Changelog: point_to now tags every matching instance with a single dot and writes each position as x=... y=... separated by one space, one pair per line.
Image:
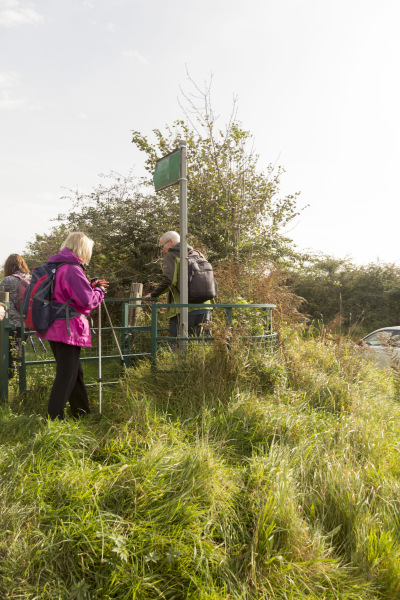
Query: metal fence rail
x=139 y=342
x=267 y=337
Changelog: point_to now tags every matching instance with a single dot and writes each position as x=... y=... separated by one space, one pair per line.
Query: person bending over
x=169 y=244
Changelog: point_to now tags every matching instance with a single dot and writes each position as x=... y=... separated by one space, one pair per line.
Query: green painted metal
x=22 y=365
x=167 y=171
x=270 y=337
x=128 y=347
x=154 y=335
x=214 y=305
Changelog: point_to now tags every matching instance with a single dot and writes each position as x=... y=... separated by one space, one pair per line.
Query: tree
x=124 y=222
x=367 y=295
x=233 y=208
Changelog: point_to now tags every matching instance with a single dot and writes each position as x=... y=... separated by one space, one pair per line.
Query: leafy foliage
x=233 y=208
x=124 y=222
x=367 y=295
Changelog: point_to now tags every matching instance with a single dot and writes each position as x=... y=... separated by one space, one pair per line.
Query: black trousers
x=195 y=324
x=68 y=384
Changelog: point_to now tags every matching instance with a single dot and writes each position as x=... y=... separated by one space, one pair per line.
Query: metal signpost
x=172 y=169
x=167 y=170
x=183 y=232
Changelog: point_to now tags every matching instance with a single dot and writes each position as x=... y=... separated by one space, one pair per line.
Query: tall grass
x=227 y=474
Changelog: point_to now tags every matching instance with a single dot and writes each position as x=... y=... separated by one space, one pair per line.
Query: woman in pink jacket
x=67 y=339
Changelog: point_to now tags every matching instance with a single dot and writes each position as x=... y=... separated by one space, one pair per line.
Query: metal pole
x=99 y=340
x=114 y=334
x=22 y=366
x=183 y=328
x=154 y=335
x=4 y=346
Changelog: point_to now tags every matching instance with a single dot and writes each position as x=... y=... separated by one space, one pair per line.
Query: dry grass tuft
x=259 y=283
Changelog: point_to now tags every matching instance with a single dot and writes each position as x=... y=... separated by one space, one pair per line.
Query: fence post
x=22 y=365
x=125 y=345
x=4 y=347
x=133 y=315
x=130 y=317
x=154 y=334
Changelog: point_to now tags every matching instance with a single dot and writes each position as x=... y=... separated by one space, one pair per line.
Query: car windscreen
x=383 y=338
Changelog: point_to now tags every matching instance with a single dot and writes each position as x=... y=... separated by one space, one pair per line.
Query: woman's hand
x=101 y=283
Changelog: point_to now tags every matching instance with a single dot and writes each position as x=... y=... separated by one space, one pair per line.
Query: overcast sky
x=317 y=85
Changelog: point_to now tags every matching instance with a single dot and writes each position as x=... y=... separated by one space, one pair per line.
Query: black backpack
x=39 y=311
x=202 y=285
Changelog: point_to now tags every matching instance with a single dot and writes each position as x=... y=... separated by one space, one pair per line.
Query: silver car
x=384 y=346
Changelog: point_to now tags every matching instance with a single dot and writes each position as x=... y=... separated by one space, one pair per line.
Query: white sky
x=317 y=84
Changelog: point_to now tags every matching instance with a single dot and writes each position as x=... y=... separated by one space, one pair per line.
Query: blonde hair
x=79 y=244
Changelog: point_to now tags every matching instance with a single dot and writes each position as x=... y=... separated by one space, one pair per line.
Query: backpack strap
x=62 y=311
x=40 y=293
x=70 y=312
x=22 y=278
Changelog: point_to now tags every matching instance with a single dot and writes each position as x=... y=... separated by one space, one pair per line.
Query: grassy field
x=229 y=474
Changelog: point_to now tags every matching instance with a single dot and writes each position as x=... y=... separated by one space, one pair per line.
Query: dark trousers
x=195 y=324
x=68 y=384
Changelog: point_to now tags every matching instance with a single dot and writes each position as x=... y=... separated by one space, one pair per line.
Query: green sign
x=167 y=171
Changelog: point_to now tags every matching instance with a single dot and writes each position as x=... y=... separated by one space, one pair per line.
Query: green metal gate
x=138 y=342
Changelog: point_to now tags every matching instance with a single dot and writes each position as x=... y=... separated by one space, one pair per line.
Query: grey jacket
x=11 y=284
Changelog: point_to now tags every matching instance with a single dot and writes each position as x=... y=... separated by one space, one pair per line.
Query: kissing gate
x=142 y=331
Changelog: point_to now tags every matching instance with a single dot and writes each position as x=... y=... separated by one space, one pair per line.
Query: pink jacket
x=71 y=282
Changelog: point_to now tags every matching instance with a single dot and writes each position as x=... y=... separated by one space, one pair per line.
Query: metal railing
x=138 y=342
x=267 y=336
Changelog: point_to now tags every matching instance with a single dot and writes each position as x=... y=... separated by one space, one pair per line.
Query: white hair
x=170 y=235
